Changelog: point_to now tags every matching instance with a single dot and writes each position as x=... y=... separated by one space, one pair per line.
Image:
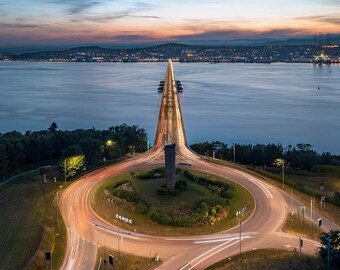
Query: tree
x=73 y=160
x=53 y=127
x=91 y=149
x=3 y=158
x=333 y=236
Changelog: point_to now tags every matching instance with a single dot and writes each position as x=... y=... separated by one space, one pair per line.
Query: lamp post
x=240 y=215
x=281 y=162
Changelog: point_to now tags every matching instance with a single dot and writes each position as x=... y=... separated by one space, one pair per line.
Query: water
x=243 y=103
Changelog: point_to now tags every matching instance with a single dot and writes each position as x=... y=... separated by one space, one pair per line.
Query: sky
x=43 y=22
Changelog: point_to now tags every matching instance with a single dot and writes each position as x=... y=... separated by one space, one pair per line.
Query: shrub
x=160 y=218
x=166 y=191
x=153 y=174
x=326 y=170
x=117 y=184
x=228 y=194
x=141 y=208
x=336 y=198
x=190 y=176
x=128 y=196
x=181 y=185
x=184 y=221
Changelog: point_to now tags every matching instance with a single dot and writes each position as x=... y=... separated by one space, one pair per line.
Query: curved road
x=86 y=230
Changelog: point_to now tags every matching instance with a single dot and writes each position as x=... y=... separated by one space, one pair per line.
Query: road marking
x=220 y=240
x=219 y=249
x=264 y=187
x=225 y=236
x=203 y=255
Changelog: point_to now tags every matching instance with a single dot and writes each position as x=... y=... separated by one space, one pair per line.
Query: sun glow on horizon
x=58 y=21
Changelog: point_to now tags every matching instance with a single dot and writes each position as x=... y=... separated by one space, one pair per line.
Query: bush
x=228 y=194
x=166 y=191
x=326 y=170
x=336 y=198
x=216 y=201
x=190 y=176
x=128 y=196
x=181 y=185
x=160 y=218
x=153 y=174
x=117 y=184
x=141 y=208
x=184 y=221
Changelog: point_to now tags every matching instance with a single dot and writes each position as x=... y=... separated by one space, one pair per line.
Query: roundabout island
x=201 y=203
x=218 y=223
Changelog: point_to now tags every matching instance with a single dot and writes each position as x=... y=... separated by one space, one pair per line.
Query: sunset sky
x=117 y=21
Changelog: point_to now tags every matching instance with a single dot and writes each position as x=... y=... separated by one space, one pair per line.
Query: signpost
x=111 y=261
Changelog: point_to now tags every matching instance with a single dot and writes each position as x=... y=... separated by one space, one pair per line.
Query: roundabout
x=198 y=209
x=86 y=230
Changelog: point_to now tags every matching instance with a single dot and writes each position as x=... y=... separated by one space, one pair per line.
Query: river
x=233 y=103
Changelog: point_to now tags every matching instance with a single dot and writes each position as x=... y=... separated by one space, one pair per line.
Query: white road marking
x=219 y=249
x=220 y=240
x=264 y=187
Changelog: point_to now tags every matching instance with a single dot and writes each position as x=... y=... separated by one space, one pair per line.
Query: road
x=86 y=230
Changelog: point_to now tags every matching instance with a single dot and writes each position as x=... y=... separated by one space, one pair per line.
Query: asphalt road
x=86 y=230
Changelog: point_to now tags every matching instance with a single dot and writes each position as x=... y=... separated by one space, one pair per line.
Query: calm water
x=244 y=103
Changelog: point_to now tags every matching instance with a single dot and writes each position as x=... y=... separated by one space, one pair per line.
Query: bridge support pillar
x=170 y=165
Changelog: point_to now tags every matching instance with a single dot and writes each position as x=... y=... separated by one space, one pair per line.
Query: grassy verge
x=147 y=190
x=331 y=211
x=296 y=225
x=28 y=224
x=124 y=261
x=269 y=259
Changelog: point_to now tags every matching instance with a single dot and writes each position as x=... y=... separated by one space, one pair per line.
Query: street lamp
x=109 y=142
x=240 y=215
x=281 y=162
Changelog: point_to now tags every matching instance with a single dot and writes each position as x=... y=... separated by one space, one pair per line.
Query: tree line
x=17 y=149
x=299 y=156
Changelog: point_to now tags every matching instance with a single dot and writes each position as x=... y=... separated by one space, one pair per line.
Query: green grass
x=296 y=225
x=272 y=259
x=125 y=261
x=147 y=190
x=28 y=224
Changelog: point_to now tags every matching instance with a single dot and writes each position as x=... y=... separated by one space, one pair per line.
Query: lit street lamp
x=281 y=162
x=240 y=215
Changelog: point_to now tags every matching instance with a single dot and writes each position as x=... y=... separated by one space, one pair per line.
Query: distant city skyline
x=47 y=22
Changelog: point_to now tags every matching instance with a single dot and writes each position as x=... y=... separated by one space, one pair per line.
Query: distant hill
x=257 y=41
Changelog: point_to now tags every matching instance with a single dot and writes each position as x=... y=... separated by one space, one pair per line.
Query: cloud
x=3 y=13
x=330 y=18
x=238 y=34
x=77 y=8
x=18 y=25
x=131 y=38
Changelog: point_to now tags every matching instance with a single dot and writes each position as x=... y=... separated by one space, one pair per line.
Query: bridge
x=170 y=128
x=86 y=230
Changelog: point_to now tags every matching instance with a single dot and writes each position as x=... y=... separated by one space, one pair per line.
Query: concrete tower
x=170 y=165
